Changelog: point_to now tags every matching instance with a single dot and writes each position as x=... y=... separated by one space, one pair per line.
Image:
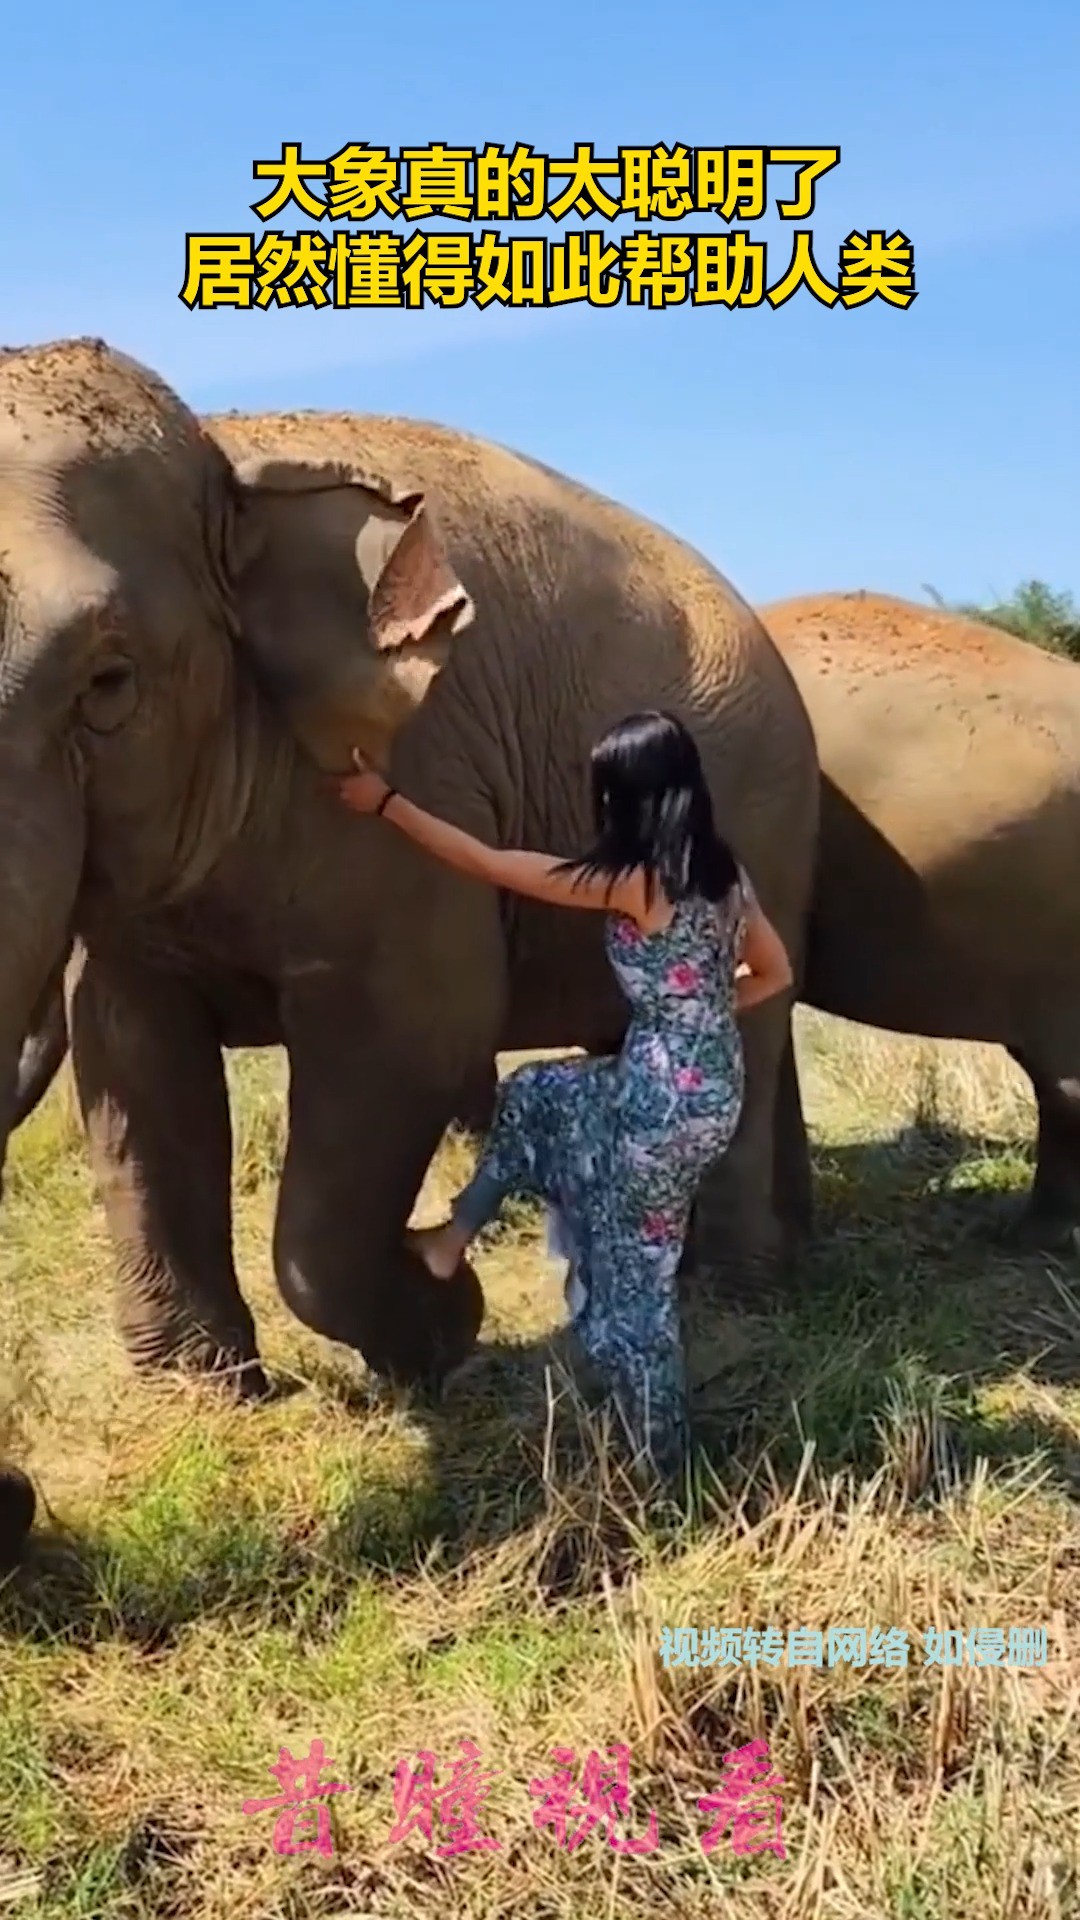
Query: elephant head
x=161 y=608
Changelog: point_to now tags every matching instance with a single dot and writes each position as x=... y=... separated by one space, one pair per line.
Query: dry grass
x=884 y=1079
x=902 y=1448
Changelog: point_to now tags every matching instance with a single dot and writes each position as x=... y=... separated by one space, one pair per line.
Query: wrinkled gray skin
x=946 y=901
x=45 y=1050
x=197 y=620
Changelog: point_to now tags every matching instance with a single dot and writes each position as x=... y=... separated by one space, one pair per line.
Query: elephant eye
x=110 y=698
x=111 y=679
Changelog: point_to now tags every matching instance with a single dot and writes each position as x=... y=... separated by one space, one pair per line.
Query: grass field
x=900 y=1447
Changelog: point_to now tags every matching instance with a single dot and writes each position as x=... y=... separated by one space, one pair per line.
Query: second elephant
x=196 y=617
x=946 y=900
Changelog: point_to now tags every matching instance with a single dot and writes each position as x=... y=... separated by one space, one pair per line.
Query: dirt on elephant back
x=869 y=632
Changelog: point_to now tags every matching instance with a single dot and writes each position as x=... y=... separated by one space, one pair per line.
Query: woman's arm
x=517 y=871
x=764 y=956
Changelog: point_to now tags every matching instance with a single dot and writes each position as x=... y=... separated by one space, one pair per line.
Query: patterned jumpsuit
x=616 y=1148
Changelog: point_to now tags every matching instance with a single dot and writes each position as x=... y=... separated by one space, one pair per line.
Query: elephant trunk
x=41 y=859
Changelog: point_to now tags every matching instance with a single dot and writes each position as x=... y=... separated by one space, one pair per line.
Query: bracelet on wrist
x=390 y=794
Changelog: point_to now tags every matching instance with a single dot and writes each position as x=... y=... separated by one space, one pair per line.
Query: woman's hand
x=365 y=790
x=764 y=968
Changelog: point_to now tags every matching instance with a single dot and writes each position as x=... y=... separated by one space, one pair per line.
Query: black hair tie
x=390 y=794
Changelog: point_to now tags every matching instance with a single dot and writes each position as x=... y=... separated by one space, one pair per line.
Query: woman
x=616 y=1147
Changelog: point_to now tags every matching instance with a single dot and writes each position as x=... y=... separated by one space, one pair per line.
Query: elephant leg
x=1053 y=1211
x=793 y=1181
x=151 y=1086
x=367 y=1110
x=738 y=1231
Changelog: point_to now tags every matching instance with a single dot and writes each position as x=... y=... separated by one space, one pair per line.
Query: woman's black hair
x=652 y=810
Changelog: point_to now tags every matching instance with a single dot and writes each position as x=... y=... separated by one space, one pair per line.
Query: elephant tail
x=810 y=969
x=818 y=940
x=43 y=1054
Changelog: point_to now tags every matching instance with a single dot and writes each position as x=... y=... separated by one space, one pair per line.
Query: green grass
x=896 y=1444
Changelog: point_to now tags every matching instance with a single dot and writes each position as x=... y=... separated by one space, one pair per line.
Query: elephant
x=200 y=619
x=944 y=903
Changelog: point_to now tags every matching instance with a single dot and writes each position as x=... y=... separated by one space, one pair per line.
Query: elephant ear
x=344 y=595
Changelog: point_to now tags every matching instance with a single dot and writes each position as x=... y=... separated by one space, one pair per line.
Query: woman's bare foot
x=440 y=1248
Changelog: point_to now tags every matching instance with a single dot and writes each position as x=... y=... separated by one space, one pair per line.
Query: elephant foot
x=426 y=1328
x=741 y=1287
x=741 y=1270
x=1033 y=1227
x=238 y=1377
x=18 y=1505
x=243 y=1380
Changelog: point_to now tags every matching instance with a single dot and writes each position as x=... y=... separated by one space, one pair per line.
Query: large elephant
x=946 y=901
x=198 y=619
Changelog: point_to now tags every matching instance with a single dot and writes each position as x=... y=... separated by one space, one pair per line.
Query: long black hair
x=652 y=810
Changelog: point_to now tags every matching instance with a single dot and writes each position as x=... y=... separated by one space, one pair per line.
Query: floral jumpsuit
x=616 y=1148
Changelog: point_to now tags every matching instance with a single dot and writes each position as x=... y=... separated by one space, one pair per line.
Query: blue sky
x=802 y=449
